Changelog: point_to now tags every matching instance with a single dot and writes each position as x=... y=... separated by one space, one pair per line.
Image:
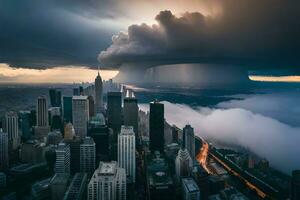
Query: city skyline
x=149 y=100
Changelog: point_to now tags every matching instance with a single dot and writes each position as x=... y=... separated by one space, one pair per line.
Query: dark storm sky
x=254 y=34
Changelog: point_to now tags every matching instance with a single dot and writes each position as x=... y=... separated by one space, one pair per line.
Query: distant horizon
x=84 y=74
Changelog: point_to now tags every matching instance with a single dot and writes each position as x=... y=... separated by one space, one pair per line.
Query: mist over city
x=149 y=100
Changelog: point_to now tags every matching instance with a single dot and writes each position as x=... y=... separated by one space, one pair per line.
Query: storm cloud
x=255 y=34
x=42 y=34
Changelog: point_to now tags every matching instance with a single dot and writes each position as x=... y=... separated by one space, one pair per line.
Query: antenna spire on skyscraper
x=98 y=70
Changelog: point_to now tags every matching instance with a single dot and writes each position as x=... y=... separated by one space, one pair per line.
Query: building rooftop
x=60 y=179
x=127 y=130
x=88 y=140
x=42 y=97
x=114 y=94
x=80 y=97
x=98 y=120
x=41 y=185
x=11 y=114
x=77 y=186
x=158 y=171
x=61 y=146
x=107 y=168
x=24 y=168
x=190 y=184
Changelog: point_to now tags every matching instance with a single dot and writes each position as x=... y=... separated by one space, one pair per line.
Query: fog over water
x=265 y=136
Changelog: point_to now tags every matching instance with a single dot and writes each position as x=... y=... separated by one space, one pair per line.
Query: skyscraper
x=67 y=109
x=12 y=129
x=183 y=161
x=77 y=188
x=74 y=144
x=99 y=131
x=98 y=94
x=59 y=185
x=54 y=137
x=4 y=161
x=88 y=155
x=189 y=140
x=156 y=126
x=80 y=106
x=114 y=112
x=130 y=111
x=108 y=182
x=159 y=178
x=80 y=90
x=190 y=189
x=42 y=124
x=76 y=91
x=62 y=163
x=126 y=152
x=55 y=98
x=55 y=118
x=25 y=124
x=91 y=106
x=295 y=185
x=42 y=112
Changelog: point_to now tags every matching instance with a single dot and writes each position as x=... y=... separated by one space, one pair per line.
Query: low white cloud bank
x=283 y=106
x=265 y=136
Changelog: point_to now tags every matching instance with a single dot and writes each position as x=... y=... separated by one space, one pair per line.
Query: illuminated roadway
x=248 y=184
x=202 y=158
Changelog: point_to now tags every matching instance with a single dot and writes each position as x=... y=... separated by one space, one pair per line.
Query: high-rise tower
x=130 y=111
x=156 y=126
x=189 y=140
x=80 y=111
x=98 y=94
x=62 y=163
x=42 y=124
x=12 y=129
x=183 y=161
x=114 y=112
x=108 y=182
x=4 y=161
x=126 y=152
x=88 y=155
x=42 y=112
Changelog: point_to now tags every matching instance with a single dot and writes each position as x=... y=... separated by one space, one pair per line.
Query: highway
x=202 y=158
x=233 y=172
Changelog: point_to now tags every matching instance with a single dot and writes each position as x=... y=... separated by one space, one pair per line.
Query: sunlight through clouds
x=65 y=74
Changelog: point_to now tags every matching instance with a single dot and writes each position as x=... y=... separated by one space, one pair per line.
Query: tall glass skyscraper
x=114 y=112
x=130 y=112
x=156 y=126
x=98 y=94
x=189 y=140
x=80 y=110
x=67 y=109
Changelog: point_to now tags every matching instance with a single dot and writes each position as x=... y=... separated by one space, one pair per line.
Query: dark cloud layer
x=254 y=33
x=42 y=34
